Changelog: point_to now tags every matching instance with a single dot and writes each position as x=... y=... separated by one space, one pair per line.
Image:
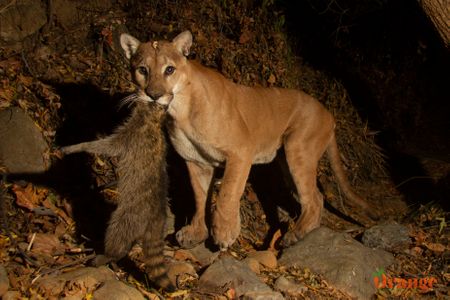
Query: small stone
x=262 y=295
x=4 y=281
x=232 y=274
x=87 y=277
x=289 y=287
x=390 y=237
x=117 y=290
x=203 y=255
x=177 y=269
x=253 y=264
x=266 y=258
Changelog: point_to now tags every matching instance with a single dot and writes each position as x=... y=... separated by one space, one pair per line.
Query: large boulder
x=344 y=262
x=19 y=19
x=22 y=145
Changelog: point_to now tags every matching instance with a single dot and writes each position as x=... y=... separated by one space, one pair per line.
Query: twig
x=151 y=295
x=31 y=242
x=27 y=65
x=70 y=264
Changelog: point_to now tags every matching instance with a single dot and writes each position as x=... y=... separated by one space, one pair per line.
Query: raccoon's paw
x=69 y=149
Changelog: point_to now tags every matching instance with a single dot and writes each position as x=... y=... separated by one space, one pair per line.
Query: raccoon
x=141 y=213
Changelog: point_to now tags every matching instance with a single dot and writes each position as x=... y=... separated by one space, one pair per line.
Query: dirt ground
x=69 y=78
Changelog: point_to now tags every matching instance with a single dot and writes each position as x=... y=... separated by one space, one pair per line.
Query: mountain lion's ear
x=129 y=44
x=183 y=42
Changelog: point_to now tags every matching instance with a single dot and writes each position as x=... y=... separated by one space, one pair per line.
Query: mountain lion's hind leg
x=302 y=160
x=196 y=232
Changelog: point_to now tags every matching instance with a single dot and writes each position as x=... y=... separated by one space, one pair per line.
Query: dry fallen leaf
x=245 y=37
x=10 y=63
x=275 y=237
x=48 y=204
x=26 y=197
x=45 y=243
x=272 y=79
x=183 y=255
x=435 y=247
x=230 y=293
x=420 y=236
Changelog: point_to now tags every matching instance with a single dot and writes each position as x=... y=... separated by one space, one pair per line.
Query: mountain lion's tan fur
x=214 y=122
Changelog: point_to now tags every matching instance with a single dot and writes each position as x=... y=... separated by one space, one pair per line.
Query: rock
x=253 y=264
x=99 y=5
x=4 y=281
x=390 y=237
x=22 y=145
x=88 y=278
x=344 y=262
x=19 y=19
x=12 y=295
x=228 y=273
x=177 y=270
x=203 y=255
x=266 y=258
x=262 y=295
x=117 y=290
x=289 y=287
x=65 y=12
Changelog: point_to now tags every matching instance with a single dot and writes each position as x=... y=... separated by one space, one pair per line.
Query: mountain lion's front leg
x=196 y=232
x=226 y=222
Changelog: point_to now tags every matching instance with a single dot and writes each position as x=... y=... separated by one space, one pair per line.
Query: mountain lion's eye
x=142 y=70
x=169 y=70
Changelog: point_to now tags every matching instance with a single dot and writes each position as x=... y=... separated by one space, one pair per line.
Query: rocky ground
x=61 y=83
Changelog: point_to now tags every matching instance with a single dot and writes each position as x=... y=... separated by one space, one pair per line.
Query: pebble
x=87 y=277
x=253 y=264
x=233 y=274
x=289 y=287
x=203 y=255
x=11 y=295
x=266 y=258
x=177 y=269
x=390 y=237
x=117 y=290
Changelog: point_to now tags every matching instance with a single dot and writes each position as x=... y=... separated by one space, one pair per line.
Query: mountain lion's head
x=158 y=67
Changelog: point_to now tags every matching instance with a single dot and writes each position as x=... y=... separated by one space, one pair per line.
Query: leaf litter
x=39 y=234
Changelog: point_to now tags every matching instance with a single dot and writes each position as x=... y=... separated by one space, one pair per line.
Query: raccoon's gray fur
x=141 y=212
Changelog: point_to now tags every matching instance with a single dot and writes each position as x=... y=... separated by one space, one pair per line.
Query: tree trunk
x=439 y=13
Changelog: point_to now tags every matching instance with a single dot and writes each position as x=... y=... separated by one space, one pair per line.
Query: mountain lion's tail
x=338 y=169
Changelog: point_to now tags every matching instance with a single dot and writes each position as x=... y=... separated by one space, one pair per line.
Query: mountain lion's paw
x=190 y=236
x=225 y=230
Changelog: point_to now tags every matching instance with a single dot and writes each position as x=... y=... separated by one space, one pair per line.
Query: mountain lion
x=214 y=122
